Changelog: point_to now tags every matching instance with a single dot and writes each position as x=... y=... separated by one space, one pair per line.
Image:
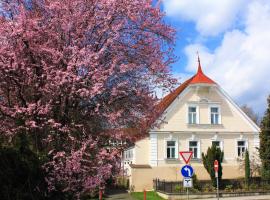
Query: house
x=198 y=114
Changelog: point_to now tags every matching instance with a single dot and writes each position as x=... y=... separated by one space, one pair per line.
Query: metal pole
x=217 y=189
x=187 y=194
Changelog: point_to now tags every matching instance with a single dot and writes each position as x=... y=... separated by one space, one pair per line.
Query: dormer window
x=192 y=115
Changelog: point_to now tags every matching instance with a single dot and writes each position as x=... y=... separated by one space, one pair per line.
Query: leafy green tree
x=247 y=168
x=213 y=153
x=265 y=143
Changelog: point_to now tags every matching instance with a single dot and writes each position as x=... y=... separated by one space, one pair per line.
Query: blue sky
x=233 y=40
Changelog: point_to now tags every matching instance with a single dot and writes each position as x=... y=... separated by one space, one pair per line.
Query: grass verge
x=149 y=196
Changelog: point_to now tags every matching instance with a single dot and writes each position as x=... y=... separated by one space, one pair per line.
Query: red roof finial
x=200 y=77
x=199 y=64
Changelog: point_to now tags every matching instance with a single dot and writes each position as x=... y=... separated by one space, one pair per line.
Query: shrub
x=213 y=153
x=247 y=168
x=179 y=188
x=253 y=186
x=208 y=188
x=122 y=182
x=196 y=184
x=228 y=188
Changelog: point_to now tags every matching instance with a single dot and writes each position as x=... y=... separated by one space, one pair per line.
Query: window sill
x=171 y=159
x=204 y=125
x=198 y=160
x=240 y=159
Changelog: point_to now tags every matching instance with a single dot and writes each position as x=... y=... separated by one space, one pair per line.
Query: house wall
x=205 y=140
x=142 y=179
x=234 y=126
x=142 y=151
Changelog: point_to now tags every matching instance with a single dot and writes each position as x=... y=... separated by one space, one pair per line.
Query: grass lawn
x=149 y=196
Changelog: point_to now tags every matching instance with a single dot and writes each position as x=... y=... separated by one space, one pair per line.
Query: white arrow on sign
x=188 y=171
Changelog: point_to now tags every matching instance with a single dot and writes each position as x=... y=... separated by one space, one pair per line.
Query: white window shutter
x=220 y=117
x=246 y=144
x=197 y=115
x=199 y=149
x=176 y=149
x=221 y=145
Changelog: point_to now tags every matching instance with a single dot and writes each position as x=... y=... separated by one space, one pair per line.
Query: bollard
x=144 y=192
x=100 y=194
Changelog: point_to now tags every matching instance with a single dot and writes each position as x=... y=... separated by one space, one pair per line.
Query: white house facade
x=198 y=114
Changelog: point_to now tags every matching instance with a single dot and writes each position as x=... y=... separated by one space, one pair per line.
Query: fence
x=202 y=187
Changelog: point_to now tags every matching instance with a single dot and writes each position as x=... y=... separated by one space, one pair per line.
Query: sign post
x=187 y=170
x=216 y=174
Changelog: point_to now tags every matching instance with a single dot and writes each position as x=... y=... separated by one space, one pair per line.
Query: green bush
x=196 y=184
x=208 y=188
x=194 y=190
x=213 y=153
x=228 y=188
x=122 y=182
x=253 y=186
x=179 y=188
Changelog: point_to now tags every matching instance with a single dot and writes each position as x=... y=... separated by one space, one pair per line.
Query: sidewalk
x=118 y=194
x=125 y=196
x=259 y=197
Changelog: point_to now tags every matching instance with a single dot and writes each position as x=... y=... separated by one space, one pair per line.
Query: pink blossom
x=76 y=75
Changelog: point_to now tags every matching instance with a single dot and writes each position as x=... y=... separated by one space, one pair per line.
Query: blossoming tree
x=75 y=75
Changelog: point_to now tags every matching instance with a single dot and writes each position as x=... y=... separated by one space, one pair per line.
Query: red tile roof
x=198 y=78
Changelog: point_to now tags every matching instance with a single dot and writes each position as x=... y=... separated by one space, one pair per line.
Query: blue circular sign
x=187 y=171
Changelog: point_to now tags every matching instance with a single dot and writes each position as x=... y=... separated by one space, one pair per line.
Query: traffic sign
x=186 y=155
x=187 y=171
x=187 y=182
x=216 y=165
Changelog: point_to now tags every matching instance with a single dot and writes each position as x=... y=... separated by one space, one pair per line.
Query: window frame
x=197 y=118
x=241 y=146
x=219 y=114
x=166 y=140
x=197 y=147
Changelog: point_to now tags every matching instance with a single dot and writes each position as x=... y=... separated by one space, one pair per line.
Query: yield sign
x=186 y=155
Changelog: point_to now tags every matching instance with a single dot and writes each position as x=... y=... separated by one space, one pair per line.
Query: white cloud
x=241 y=64
x=211 y=17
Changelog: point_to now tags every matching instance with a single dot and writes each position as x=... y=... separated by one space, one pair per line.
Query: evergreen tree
x=265 y=143
x=247 y=168
x=213 y=153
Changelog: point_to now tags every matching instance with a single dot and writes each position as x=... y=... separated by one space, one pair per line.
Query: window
x=171 y=149
x=215 y=117
x=128 y=154
x=241 y=148
x=193 y=146
x=216 y=143
x=192 y=115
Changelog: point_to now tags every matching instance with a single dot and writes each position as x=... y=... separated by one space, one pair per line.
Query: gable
x=233 y=119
